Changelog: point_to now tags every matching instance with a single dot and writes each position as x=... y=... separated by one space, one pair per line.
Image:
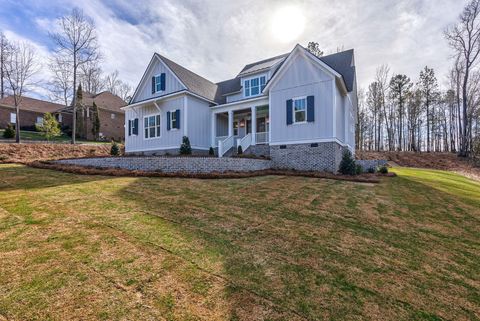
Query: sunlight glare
x=288 y=23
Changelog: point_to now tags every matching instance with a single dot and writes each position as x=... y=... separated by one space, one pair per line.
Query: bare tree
x=20 y=66
x=399 y=90
x=381 y=78
x=77 y=40
x=429 y=88
x=3 y=56
x=125 y=92
x=112 y=82
x=61 y=84
x=314 y=48
x=91 y=77
x=464 y=38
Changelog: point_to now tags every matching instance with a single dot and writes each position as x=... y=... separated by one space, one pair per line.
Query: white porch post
x=214 y=130
x=254 y=124
x=230 y=123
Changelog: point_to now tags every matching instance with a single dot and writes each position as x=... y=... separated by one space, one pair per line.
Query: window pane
x=158 y=120
x=247 y=83
x=254 y=82
x=151 y=121
x=262 y=80
x=146 y=132
x=255 y=90
x=152 y=132
x=300 y=116
x=158 y=131
x=146 y=122
x=247 y=92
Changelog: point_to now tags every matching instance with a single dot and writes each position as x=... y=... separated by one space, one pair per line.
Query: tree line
x=74 y=63
x=399 y=113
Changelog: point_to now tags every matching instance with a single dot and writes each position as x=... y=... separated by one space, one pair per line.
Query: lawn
x=263 y=248
x=37 y=136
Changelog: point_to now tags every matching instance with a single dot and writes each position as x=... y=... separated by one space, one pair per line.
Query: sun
x=288 y=23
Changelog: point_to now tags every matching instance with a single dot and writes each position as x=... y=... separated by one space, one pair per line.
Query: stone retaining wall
x=193 y=165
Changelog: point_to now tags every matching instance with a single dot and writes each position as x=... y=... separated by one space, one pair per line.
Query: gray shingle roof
x=195 y=83
x=227 y=87
x=262 y=64
x=341 y=62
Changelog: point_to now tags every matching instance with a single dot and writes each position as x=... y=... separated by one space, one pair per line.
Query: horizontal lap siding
x=168 y=139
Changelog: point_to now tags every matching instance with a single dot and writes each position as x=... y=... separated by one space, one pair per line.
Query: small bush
x=211 y=151
x=347 y=165
x=185 y=148
x=115 y=149
x=9 y=132
x=239 y=150
x=371 y=170
x=358 y=169
x=383 y=169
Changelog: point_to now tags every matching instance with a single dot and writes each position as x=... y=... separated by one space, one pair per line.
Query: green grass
x=263 y=248
x=37 y=136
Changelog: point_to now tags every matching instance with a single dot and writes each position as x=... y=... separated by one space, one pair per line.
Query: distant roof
x=32 y=104
x=341 y=62
x=262 y=64
x=195 y=83
x=104 y=100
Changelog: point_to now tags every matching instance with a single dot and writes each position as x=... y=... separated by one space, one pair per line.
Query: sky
x=216 y=38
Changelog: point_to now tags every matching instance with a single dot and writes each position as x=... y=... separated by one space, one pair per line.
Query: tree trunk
x=17 y=123
x=74 y=100
x=464 y=138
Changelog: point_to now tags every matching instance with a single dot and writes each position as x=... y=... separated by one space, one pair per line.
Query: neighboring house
x=110 y=112
x=297 y=108
x=31 y=112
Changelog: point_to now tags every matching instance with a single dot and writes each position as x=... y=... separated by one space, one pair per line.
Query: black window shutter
x=162 y=81
x=168 y=120
x=129 y=127
x=177 y=112
x=310 y=109
x=289 y=112
x=135 y=126
x=153 y=85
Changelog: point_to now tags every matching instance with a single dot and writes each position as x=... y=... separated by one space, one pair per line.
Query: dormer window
x=254 y=86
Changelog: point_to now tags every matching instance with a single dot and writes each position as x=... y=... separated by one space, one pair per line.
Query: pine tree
x=347 y=164
x=185 y=148
x=95 y=121
x=49 y=127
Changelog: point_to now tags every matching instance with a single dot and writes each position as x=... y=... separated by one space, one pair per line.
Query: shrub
x=49 y=127
x=115 y=149
x=211 y=151
x=371 y=170
x=358 y=169
x=185 y=148
x=347 y=165
x=383 y=169
x=9 y=132
x=240 y=150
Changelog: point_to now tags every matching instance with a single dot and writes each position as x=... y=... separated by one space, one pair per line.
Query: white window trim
x=13 y=116
x=159 y=75
x=294 y=122
x=250 y=87
x=172 y=112
x=160 y=124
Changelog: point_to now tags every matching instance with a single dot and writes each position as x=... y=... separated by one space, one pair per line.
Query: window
x=112 y=116
x=158 y=83
x=152 y=126
x=299 y=110
x=235 y=128
x=39 y=121
x=254 y=86
x=173 y=119
x=132 y=127
x=13 y=118
x=59 y=118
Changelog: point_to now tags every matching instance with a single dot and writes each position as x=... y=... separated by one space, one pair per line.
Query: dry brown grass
x=23 y=153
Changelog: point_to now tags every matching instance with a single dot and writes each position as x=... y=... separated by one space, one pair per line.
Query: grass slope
x=37 y=136
x=264 y=248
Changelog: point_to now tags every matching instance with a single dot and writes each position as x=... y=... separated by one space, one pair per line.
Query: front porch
x=240 y=127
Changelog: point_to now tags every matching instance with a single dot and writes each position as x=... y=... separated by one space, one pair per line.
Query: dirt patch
x=442 y=161
x=23 y=153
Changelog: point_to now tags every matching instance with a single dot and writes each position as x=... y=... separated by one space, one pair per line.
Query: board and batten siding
x=198 y=122
x=302 y=78
x=169 y=139
x=157 y=67
x=340 y=115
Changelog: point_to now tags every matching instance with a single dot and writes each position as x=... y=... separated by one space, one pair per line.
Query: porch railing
x=245 y=142
x=225 y=145
x=262 y=138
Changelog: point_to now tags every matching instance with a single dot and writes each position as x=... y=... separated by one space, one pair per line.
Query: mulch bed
x=85 y=170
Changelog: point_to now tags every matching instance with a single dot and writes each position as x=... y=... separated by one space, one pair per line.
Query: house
x=31 y=112
x=110 y=113
x=297 y=108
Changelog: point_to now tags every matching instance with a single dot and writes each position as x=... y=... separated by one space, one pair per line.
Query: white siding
x=340 y=116
x=157 y=67
x=199 y=123
x=169 y=138
x=235 y=97
x=302 y=78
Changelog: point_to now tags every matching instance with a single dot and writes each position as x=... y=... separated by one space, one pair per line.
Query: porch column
x=214 y=130
x=230 y=123
x=254 y=125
